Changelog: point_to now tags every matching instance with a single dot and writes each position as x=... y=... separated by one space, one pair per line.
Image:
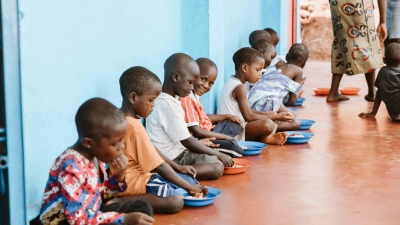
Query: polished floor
x=349 y=172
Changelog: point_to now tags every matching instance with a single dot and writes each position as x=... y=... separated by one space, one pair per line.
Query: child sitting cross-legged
x=167 y=128
x=388 y=84
x=268 y=93
x=78 y=186
x=139 y=88
x=202 y=125
x=233 y=100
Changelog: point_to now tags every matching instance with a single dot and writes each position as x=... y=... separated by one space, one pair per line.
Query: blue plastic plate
x=306 y=124
x=291 y=109
x=299 y=140
x=299 y=101
x=252 y=147
x=213 y=193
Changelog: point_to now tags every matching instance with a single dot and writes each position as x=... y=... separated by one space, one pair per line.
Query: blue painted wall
x=74 y=50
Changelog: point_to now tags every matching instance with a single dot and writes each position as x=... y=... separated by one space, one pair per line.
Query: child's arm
x=215 y=118
x=170 y=175
x=377 y=103
x=240 y=95
x=189 y=170
x=298 y=77
x=199 y=132
x=116 y=183
x=195 y=146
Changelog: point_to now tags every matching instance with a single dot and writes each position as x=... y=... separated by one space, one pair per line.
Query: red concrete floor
x=349 y=172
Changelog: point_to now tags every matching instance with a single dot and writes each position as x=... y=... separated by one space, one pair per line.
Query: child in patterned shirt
x=78 y=184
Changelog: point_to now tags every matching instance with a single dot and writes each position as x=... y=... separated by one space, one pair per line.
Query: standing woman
x=356 y=46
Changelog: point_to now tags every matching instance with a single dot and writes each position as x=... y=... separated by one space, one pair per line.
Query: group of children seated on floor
x=180 y=144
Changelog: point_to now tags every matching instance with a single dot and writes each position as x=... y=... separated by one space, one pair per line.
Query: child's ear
x=263 y=51
x=87 y=142
x=132 y=97
x=244 y=67
x=175 y=77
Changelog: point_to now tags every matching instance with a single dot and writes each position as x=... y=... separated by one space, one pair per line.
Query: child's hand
x=207 y=142
x=137 y=218
x=225 y=159
x=189 y=170
x=227 y=137
x=235 y=119
x=365 y=115
x=198 y=188
x=303 y=80
x=285 y=116
x=118 y=167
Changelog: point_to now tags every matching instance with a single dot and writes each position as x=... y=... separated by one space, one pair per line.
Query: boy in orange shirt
x=139 y=88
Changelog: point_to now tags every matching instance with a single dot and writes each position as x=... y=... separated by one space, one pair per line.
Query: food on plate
x=296 y=135
x=197 y=196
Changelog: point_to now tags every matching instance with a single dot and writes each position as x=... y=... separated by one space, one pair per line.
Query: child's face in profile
x=185 y=79
x=268 y=57
x=143 y=104
x=111 y=144
x=254 y=71
x=205 y=81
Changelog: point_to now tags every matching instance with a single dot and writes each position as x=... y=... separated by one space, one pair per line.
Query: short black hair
x=259 y=34
x=392 y=54
x=205 y=63
x=263 y=44
x=176 y=62
x=298 y=53
x=246 y=55
x=136 y=79
x=96 y=116
x=271 y=31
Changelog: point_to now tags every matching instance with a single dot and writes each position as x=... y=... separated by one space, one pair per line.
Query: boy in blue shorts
x=139 y=89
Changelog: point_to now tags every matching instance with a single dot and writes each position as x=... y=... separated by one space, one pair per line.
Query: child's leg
x=286 y=126
x=234 y=150
x=264 y=130
x=171 y=204
x=207 y=167
x=370 y=78
x=128 y=207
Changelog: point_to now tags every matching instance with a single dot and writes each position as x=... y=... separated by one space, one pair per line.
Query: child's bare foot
x=275 y=139
x=370 y=98
x=335 y=98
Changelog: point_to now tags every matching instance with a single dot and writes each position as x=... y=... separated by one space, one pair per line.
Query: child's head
x=139 y=88
x=392 y=55
x=274 y=36
x=259 y=34
x=101 y=128
x=297 y=55
x=266 y=49
x=180 y=72
x=250 y=63
x=208 y=75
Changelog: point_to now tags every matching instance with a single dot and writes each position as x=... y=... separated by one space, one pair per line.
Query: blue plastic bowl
x=299 y=101
x=306 y=124
x=299 y=140
x=213 y=193
x=291 y=109
x=252 y=147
